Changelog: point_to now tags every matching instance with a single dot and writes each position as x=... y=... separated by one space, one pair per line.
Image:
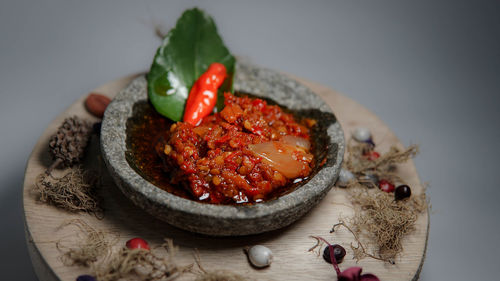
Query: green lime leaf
x=186 y=52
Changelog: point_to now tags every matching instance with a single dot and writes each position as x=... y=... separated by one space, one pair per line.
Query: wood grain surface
x=290 y=245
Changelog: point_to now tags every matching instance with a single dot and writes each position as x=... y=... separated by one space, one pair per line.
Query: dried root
x=220 y=275
x=215 y=275
x=76 y=191
x=317 y=247
x=140 y=264
x=95 y=245
x=378 y=217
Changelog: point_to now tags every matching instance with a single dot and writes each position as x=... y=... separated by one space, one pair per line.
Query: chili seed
x=203 y=168
x=216 y=180
x=247 y=125
x=189 y=150
x=243 y=170
x=173 y=127
x=310 y=122
x=233 y=144
x=219 y=160
x=167 y=149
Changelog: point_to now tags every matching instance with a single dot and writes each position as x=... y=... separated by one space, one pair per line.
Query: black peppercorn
x=402 y=192
x=338 y=252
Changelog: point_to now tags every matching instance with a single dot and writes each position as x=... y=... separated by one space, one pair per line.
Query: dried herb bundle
x=141 y=264
x=95 y=244
x=75 y=191
x=379 y=218
x=383 y=220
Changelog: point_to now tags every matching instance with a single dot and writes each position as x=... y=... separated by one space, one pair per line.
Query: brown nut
x=96 y=104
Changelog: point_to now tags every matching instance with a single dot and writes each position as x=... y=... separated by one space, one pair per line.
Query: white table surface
x=429 y=69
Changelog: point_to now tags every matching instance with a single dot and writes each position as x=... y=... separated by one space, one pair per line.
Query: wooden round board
x=292 y=260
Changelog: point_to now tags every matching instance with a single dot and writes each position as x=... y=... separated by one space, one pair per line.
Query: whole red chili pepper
x=203 y=95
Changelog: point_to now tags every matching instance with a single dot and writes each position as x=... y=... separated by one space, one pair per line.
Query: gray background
x=428 y=69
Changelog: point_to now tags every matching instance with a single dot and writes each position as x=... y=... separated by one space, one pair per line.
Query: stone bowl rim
x=119 y=166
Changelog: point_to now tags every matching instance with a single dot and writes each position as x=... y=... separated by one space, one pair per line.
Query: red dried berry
x=372 y=155
x=386 y=185
x=137 y=243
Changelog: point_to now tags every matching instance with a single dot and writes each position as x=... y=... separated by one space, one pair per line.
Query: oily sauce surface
x=147 y=128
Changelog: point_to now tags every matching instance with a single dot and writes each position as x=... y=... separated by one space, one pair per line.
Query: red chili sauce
x=243 y=154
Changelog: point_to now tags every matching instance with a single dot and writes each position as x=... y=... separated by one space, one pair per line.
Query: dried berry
x=372 y=155
x=402 y=192
x=386 y=185
x=137 y=243
x=96 y=104
x=338 y=253
x=86 y=278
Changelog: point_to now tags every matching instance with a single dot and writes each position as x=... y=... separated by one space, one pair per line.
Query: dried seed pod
x=67 y=145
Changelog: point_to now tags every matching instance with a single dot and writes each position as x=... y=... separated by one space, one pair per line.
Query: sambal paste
x=240 y=155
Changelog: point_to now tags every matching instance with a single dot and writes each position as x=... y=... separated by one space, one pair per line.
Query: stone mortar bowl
x=227 y=220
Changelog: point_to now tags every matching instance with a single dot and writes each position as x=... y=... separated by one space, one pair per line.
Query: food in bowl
x=131 y=129
x=137 y=129
x=239 y=155
x=243 y=153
